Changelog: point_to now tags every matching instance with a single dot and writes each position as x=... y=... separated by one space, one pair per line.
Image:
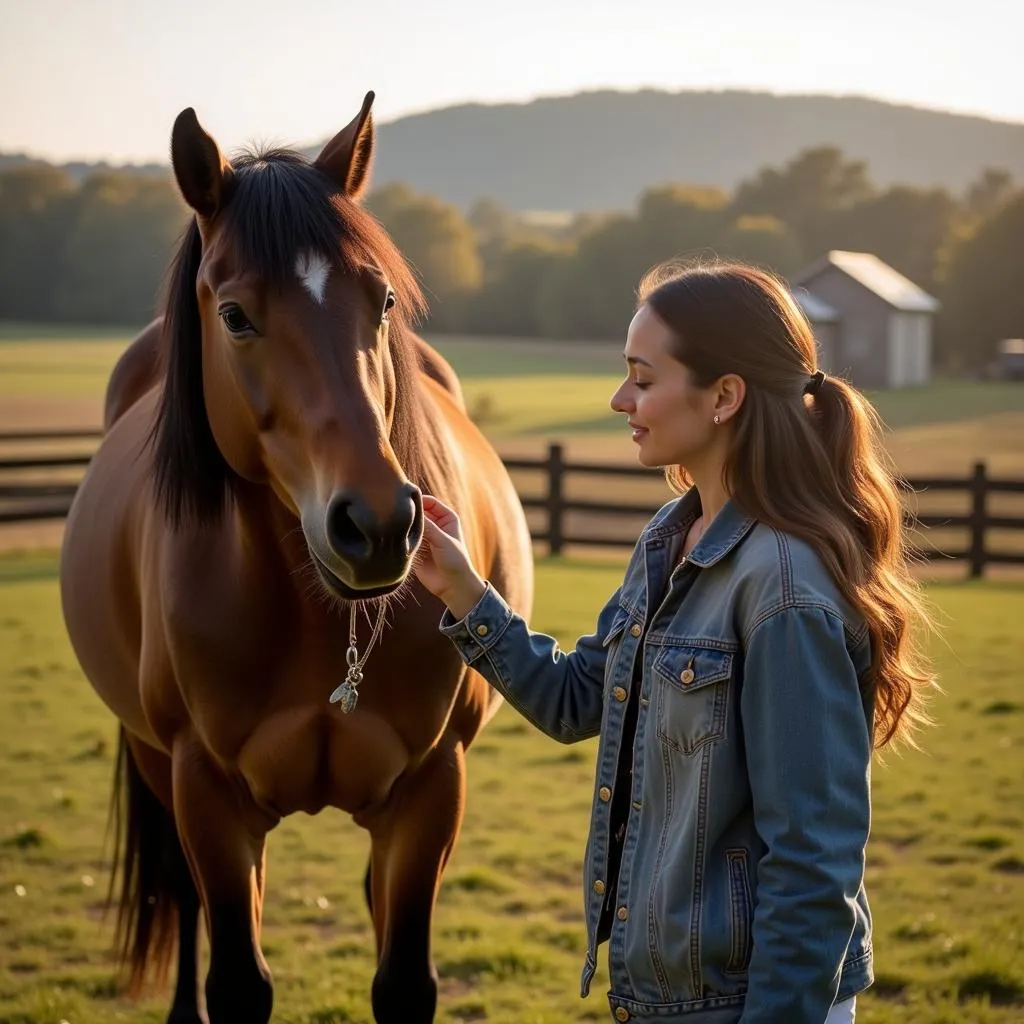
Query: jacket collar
x=726 y=531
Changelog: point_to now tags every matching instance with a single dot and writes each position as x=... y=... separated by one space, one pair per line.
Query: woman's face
x=671 y=417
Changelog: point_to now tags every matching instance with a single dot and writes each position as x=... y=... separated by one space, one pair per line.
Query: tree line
x=95 y=252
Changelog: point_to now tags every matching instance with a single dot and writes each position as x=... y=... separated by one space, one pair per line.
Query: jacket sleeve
x=808 y=745
x=560 y=693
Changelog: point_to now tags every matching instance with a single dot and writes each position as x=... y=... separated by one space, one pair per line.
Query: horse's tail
x=147 y=848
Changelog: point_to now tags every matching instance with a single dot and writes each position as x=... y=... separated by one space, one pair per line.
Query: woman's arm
x=560 y=693
x=808 y=745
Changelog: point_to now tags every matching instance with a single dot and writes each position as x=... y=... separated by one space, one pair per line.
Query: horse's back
x=438 y=369
x=136 y=371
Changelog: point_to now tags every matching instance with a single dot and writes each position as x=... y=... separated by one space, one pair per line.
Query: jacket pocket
x=693 y=691
x=741 y=911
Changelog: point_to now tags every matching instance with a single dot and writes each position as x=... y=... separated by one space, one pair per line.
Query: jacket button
x=599 y=887
x=619 y=693
x=621 y=1013
x=481 y=630
x=622 y=913
x=635 y=630
x=686 y=676
x=605 y=794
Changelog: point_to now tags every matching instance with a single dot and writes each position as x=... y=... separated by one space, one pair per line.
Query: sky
x=104 y=79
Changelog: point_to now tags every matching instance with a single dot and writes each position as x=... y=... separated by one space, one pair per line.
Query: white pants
x=843 y=1013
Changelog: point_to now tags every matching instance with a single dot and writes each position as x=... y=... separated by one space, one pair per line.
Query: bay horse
x=260 y=477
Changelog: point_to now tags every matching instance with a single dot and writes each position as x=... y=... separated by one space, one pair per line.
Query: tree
x=764 y=241
x=509 y=301
x=904 y=226
x=807 y=193
x=438 y=243
x=983 y=301
x=119 y=238
x=986 y=192
x=33 y=202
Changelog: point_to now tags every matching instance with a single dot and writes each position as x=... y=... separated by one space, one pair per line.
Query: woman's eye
x=235 y=320
x=642 y=385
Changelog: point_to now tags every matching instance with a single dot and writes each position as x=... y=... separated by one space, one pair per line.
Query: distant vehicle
x=1010 y=360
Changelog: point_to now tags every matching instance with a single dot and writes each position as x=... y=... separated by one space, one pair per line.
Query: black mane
x=278 y=206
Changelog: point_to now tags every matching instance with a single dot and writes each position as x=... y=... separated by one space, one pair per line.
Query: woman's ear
x=731 y=391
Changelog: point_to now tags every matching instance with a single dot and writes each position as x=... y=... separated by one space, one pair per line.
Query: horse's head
x=289 y=364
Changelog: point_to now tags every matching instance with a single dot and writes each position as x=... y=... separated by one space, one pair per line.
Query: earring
x=718 y=419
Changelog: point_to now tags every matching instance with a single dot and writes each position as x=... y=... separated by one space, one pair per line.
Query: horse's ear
x=347 y=157
x=203 y=175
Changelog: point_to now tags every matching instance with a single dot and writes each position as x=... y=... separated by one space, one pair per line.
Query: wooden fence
x=40 y=484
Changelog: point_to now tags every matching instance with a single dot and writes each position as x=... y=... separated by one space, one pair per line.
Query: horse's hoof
x=187 y=1017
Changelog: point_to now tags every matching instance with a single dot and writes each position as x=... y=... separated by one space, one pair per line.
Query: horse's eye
x=389 y=303
x=235 y=319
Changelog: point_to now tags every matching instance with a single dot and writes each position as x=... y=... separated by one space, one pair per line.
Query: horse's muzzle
x=369 y=551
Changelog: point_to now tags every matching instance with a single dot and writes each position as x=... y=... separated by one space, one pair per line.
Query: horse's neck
x=262 y=523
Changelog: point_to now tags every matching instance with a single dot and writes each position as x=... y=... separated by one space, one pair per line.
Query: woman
x=759 y=646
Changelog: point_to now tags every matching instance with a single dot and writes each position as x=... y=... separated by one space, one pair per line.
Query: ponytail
x=877 y=579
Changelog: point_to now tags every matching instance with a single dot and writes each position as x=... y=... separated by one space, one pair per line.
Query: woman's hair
x=812 y=465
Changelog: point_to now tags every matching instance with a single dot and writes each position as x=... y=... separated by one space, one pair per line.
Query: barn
x=873 y=325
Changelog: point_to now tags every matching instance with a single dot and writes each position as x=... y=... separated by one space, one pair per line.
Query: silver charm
x=346 y=694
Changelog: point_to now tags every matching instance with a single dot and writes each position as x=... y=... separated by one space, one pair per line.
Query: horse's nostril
x=344 y=533
x=415 y=534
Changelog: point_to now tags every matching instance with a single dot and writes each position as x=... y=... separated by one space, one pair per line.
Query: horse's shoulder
x=438 y=369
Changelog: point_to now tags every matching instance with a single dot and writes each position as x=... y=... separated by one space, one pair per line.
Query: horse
x=258 y=484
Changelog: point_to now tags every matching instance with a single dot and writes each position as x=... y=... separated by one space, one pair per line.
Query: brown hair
x=813 y=466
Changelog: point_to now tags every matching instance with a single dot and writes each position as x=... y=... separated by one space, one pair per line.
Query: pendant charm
x=346 y=694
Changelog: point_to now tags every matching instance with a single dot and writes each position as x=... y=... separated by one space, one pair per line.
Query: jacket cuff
x=482 y=627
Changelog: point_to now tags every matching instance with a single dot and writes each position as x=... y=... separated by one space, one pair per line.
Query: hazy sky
x=105 y=78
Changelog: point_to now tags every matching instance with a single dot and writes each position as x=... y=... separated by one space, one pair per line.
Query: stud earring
x=718 y=419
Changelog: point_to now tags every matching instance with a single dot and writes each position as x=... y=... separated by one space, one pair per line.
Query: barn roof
x=817 y=310
x=878 y=277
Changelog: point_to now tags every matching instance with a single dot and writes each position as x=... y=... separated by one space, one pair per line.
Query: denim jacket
x=740 y=893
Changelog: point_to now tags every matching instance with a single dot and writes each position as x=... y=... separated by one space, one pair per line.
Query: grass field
x=946 y=859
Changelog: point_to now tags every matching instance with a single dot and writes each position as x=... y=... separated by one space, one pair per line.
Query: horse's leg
x=224 y=838
x=155 y=769
x=410 y=849
x=368 y=885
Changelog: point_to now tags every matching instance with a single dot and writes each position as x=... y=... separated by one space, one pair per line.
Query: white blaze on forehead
x=312 y=269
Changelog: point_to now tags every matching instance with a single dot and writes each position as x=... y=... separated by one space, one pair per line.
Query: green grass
x=946 y=861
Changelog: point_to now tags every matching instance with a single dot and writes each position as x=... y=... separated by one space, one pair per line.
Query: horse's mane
x=278 y=206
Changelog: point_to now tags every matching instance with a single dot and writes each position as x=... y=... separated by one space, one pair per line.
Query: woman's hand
x=442 y=563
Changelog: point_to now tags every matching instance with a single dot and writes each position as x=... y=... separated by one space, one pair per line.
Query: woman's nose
x=619 y=401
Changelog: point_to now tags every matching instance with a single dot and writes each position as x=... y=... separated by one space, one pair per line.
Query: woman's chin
x=645 y=459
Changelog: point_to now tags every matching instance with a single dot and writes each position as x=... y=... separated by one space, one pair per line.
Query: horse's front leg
x=223 y=835
x=410 y=848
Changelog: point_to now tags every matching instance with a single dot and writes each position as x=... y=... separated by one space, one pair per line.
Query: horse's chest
x=305 y=759
x=260 y=703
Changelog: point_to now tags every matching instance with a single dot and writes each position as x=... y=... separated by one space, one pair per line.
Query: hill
x=599 y=150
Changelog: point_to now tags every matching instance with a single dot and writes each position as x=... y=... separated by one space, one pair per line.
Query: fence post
x=556 y=502
x=979 y=492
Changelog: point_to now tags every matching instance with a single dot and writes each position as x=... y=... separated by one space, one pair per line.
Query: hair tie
x=814 y=383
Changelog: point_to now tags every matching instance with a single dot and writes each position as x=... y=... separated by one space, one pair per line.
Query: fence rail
x=27 y=494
